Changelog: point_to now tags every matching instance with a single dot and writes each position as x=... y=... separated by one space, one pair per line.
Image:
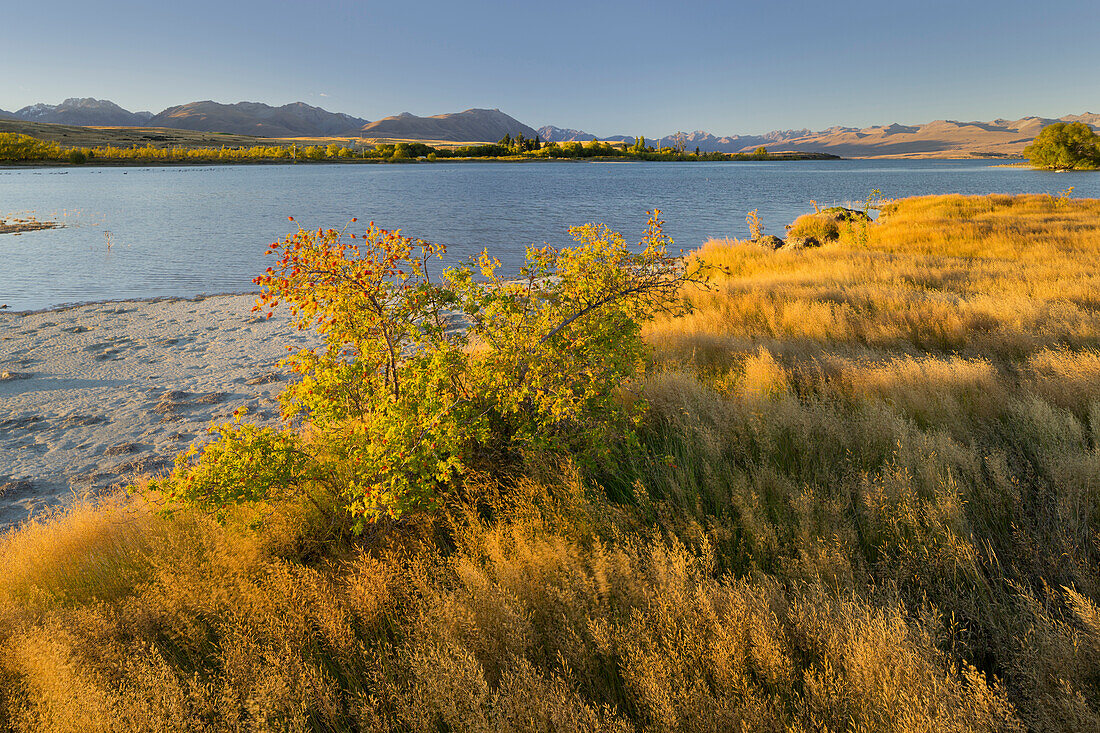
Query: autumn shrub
x=423 y=378
x=17 y=147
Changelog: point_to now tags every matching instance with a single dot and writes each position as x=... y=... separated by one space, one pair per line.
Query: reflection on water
x=142 y=232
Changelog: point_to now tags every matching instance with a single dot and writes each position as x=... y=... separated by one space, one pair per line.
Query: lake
x=192 y=230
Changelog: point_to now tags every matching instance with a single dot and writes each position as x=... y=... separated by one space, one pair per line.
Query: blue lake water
x=186 y=231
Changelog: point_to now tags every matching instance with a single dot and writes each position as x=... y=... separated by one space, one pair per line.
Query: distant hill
x=481 y=125
x=82 y=111
x=552 y=134
x=158 y=137
x=939 y=138
x=255 y=118
x=1090 y=119
x=704 y=140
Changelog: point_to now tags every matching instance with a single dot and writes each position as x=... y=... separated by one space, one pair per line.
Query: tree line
x=19 y=148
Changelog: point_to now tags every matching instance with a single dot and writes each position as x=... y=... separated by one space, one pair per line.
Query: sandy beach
x=95 y=395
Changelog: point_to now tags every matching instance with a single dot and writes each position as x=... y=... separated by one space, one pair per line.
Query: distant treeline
x=18 y=148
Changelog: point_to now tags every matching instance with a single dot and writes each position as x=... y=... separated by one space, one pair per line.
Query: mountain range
x=86 y=111
x=941 y=137
x=938 y=138
x=290 y=120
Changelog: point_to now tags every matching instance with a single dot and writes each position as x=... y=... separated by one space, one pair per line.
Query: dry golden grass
x=869 y=500
x=518 y=625
x=916 y=405
x=998 y=276
x=821 y=228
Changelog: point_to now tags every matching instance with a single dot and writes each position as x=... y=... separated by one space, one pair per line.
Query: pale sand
x=95 y=395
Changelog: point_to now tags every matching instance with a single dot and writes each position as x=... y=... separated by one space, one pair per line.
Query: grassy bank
x=868 y=499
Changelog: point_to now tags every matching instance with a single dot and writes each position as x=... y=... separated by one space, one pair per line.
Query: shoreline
x=1009 y=162
x=113 y=301
x=94 y=395
x=778 y=157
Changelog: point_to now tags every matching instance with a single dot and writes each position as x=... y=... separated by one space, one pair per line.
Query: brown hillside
x=941 y=138
x=481 y=125
x=254 y=118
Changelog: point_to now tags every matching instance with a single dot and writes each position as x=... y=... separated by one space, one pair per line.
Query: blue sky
x=610 y=67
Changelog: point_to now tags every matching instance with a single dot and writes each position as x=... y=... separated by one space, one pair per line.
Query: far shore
x=155 y=163
x=1009 y=162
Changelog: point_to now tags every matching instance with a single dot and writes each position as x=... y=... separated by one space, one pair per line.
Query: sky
x=603 y=67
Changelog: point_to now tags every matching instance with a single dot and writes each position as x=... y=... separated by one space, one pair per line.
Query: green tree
x=1065 y=146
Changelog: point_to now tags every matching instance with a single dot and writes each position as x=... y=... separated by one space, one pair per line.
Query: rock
x=795 y=243
x=769 y=241
x=839 y=213
x=18 y=226
x=22 y=422
x=76 y=421
x=16 y=487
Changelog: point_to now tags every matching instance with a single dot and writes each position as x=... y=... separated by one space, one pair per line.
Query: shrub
x=420 y=380
x=77 y=157
x=1065 y=146
x=756 y=224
